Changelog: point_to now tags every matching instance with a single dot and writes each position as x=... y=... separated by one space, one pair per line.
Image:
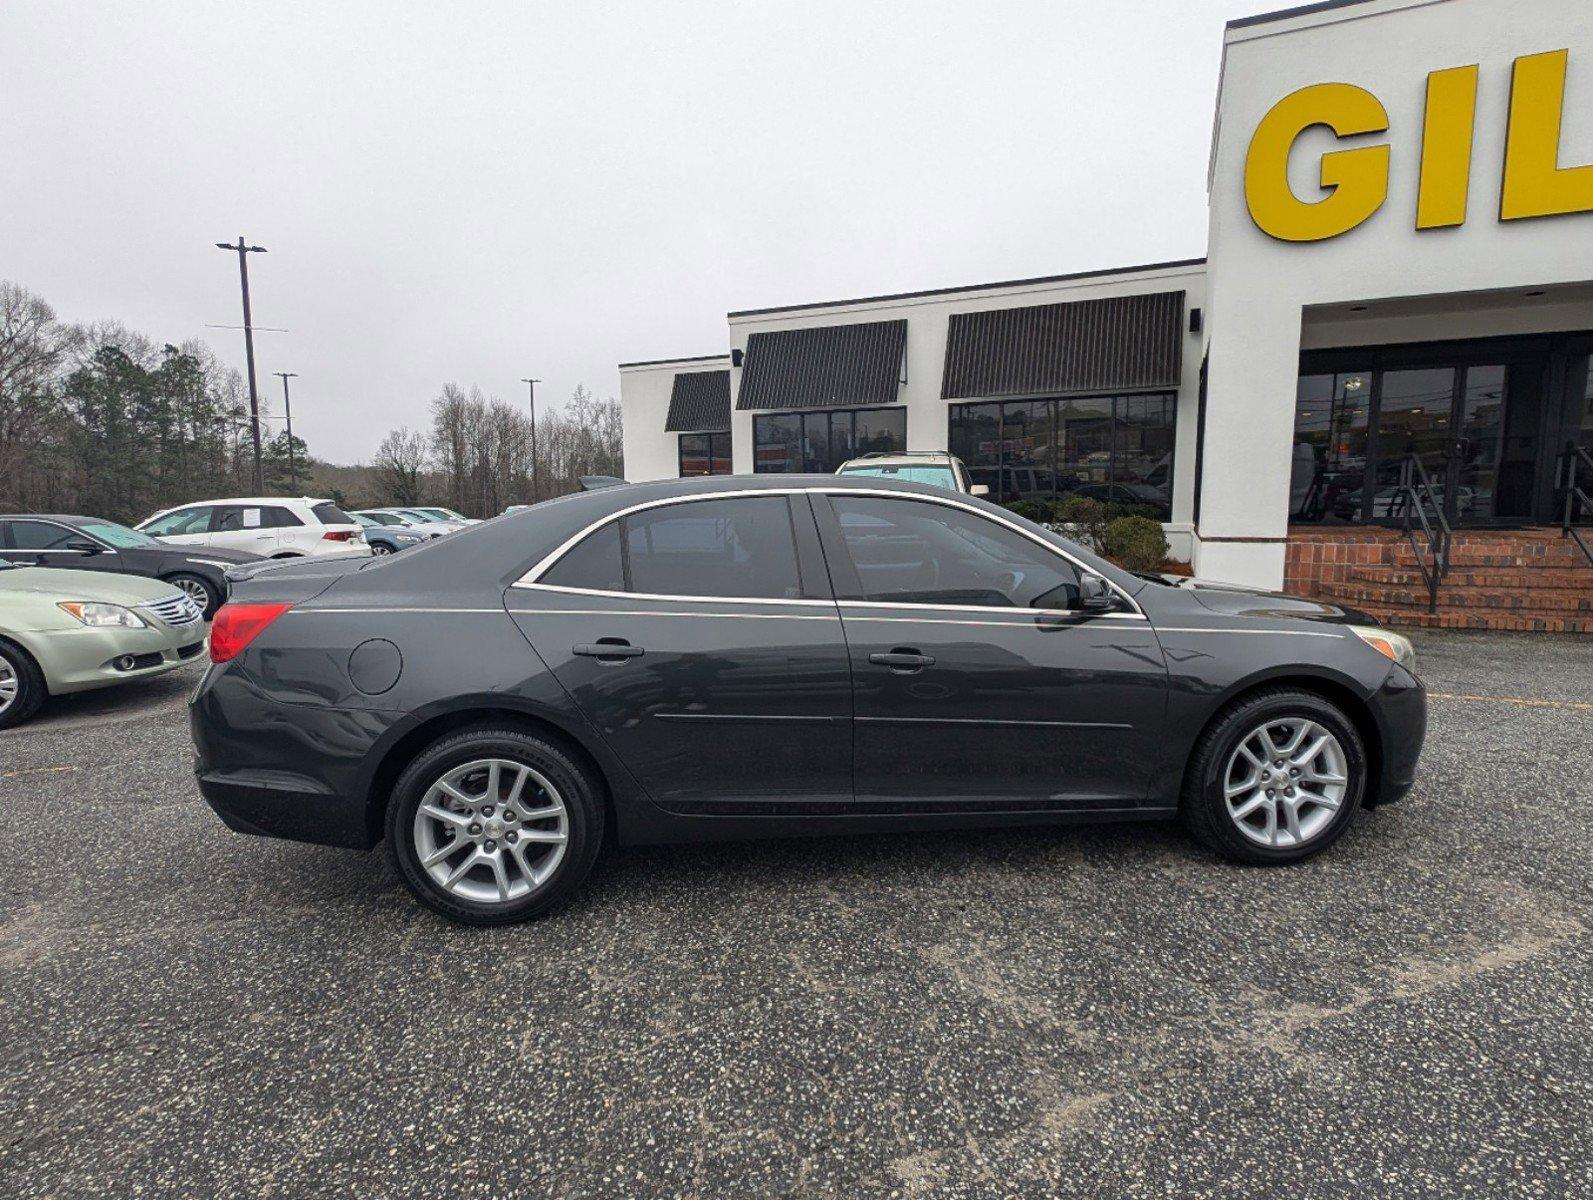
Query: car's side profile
x=94 y=544
x=270 y=526
x=389 y=538
x=739 y=657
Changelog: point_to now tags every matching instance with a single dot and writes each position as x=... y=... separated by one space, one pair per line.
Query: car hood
x=63 y=584
x=1236 y=600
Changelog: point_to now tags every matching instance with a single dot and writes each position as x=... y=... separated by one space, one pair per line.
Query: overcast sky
x=476 y=193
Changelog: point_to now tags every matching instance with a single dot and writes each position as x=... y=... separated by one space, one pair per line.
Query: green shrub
x=1135 y=543
x=1032 y=510
x=1088 y=519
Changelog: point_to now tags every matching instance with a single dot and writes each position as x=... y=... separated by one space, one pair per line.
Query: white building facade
x=1399 y=277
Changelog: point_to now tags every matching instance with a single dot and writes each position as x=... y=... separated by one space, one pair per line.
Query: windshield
x=418 y=514
x=362 y=519
x=442 y=514
x=937 y=476
x=380 y=518
x=117 y=535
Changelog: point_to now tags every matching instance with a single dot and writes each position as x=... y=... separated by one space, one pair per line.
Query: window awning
x=833 y=366
x=699 y=402
x=1112 y=344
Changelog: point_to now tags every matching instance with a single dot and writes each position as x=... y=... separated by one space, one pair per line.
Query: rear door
x=243 y=527
x=699 y=636
x=977 y=683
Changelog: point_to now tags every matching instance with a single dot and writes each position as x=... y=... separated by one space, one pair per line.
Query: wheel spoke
x=1239 y=789
x=1250 y=805
x=493 y=774
x=501 y=874
x=519 y=786
x=1291 y=819
x=463 y=868
x=550 y=836
x=447 y=815
x=1306 y=758
x=443 y=851
x=448 y=789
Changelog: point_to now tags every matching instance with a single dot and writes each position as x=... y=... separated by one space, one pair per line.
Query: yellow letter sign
x=1535 y=185
x=1356 y=180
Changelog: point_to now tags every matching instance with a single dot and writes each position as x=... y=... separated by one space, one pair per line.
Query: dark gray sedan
x=755 y=657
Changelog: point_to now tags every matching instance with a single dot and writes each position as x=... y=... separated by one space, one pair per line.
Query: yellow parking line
x=1521 y=700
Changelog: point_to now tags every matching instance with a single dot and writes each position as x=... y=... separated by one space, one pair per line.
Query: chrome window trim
x=532 y=577
x=832 y=615
x=554 y=587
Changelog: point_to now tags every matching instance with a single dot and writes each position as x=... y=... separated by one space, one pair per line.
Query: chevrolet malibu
x=751 y=657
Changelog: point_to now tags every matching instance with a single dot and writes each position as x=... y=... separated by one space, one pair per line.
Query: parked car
x=752 y=656
x=420 y=518
x=93 y=544
x=929 y=466
x=447 y=514
x=378 y=516
x=386 y=538
x=270 y=526
x=67 y=631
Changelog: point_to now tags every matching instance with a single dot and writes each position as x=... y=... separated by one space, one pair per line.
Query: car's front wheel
x=381 y=548
x=22 y=687
x=494 y=825
x=199 y=591
x=1276 y=778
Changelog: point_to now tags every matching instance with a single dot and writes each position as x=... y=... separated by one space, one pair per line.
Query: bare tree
x=399 y=462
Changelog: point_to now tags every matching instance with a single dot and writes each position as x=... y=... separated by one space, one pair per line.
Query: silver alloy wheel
x=492 y=831
x=381 y=548
x=10 y=685
x=1285 y=781
x=195 y=591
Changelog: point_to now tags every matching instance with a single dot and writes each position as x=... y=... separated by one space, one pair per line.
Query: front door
x=1453 y=420
x=704 y=646
x=976 y=681
x=49 y=544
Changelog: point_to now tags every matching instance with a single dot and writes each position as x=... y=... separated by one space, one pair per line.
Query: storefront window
x=704 y=454
x=1117 y=449
x=819 y=442
x=1329 y=461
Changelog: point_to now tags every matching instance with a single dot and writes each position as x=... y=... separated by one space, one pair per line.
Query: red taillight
x=236 y=625
x=338 y=535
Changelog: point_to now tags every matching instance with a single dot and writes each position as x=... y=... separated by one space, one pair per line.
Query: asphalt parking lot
x=1063 y=1012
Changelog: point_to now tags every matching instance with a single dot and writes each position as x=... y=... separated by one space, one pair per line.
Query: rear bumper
x=277 y=804
x=1400 y=709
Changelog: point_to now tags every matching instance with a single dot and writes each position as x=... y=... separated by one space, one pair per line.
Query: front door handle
x=902 y=659
x=608 y=650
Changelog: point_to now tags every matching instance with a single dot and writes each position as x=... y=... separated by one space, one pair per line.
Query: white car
x=426 y=518
x=934 y=467
x=273 y=526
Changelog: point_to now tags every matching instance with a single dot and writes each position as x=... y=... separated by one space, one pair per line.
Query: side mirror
x=1095 y=594
x=979 y=489
x=82 y=546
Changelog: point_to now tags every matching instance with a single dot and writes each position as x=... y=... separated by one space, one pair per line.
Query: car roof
x=250 y=500
x=62 y=518
x=925 y=458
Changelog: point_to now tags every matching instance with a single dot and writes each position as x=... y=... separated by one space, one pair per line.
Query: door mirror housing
x=1095 y=594
x=979 y=489
x=83 y=546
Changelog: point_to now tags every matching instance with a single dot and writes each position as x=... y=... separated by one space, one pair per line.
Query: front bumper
x=80 y=659
x=1400 y=709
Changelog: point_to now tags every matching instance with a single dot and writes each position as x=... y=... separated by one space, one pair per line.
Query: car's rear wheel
x=22 y=687
x=493 y=825
x=197 y=590
x=1277 y=778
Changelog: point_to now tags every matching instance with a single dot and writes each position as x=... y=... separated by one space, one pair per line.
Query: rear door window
x=734 y=548
x=232 y=517
x=595 y=564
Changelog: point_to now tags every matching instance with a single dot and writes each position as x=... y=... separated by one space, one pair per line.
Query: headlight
x=1395 y=645
x=102 y=616
x=405 y=537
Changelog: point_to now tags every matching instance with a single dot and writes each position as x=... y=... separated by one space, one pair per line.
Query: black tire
x=191 y=583
x=30 y=684
x=1204 y=808
x=381 y=548
x=578 y=787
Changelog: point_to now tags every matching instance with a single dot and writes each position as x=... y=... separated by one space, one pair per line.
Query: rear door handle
x=608 y=649
x=902 y=659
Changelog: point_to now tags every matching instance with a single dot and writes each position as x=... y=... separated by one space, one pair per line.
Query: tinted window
x=821 y=441
x=731 y=548
x=594 y=563
x=40 y=535
x=327 y=514
x=381 y=518
x=184 y=520
x=232 y=518
x=910 y=552
x=277 y=517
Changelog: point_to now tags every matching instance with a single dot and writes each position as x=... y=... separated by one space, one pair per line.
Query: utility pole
x=536 y=491
x=243 y=250
x=287 y=408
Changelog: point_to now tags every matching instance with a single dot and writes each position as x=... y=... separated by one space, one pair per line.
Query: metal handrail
x=1570 y=460
x=1416 y=492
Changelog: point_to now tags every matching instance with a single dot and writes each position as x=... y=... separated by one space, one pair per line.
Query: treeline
x=99 y=419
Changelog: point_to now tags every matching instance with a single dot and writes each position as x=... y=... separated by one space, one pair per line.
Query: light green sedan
x=69 y=631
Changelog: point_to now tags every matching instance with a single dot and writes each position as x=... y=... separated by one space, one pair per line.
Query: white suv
x=270 y=526
x=926 y=466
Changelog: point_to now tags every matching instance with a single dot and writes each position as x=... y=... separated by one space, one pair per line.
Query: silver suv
x=935 y=467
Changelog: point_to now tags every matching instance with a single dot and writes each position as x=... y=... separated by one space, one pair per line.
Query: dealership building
x=1399 y=268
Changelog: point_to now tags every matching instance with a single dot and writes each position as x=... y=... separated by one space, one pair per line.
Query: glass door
x=1479 y=440
x=1414 y=416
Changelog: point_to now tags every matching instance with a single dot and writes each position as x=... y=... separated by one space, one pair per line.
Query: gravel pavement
x=1059 y=1012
